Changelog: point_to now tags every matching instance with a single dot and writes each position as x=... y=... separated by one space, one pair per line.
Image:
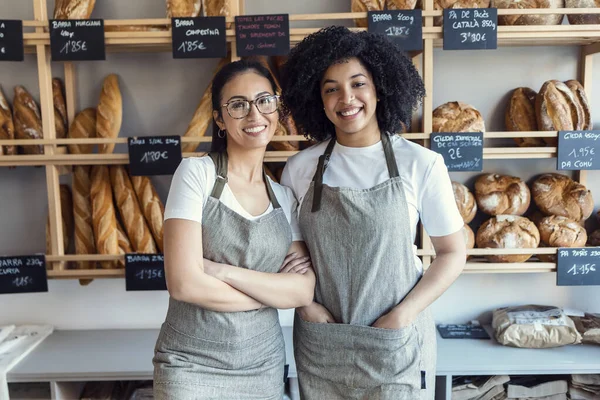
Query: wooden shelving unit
x=37 y=41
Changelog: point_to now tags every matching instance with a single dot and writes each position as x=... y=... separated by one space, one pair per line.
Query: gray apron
x=361 y=246
x=203 y=354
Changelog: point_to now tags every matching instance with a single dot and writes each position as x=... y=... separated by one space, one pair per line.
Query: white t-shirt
x=193 y=183
x=424 y=175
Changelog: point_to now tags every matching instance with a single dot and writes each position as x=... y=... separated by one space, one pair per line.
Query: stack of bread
x=557 y=106
x=110 y=212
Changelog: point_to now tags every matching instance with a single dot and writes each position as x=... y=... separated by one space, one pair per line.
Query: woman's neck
x=364 y=138
x=246 y=164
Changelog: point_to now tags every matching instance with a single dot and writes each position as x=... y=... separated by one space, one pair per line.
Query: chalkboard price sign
x=23 y=274
x=470 y=29
x=578 y=266
x=461 y=151
x=77 y=40
x=145 y=272
x=578 y=150
x=201 y=37
x=462 y=332
x=262 y=35
x=11 y=40
x=403 y=27
x=154 y=155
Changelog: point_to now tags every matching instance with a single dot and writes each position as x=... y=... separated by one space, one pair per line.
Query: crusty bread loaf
x=580 y=96
x=594 y=238
x=365 y=6
x=27 y=120
x=400 y=4
x=469 y=236
x=583 y=19
x=7 y=128
x=203 y=115
x=557 y=109
x=109 y=113
x=502 y=194
x=520 y=116
x=83 y=126
x=456 y=116
x=73 y=9
x=152 y=207
x=465 y=201
x=129 y=208
x=539 y=19
x=103 y=214
x=557 y=194
x=60 y=108
x=82 y=211
x=66 y=211
x=557 y=231
x=183 y=8
x=456 y=4
x=508 y=232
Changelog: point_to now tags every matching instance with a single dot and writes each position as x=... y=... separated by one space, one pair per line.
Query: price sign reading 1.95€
x=578 y=150
x=154 y=155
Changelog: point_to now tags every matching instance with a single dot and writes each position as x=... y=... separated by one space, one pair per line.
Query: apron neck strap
x=220 y=160
x=390 y=159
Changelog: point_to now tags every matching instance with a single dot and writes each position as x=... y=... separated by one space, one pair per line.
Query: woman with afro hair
x=369 y=333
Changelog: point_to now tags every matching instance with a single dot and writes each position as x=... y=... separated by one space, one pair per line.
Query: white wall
x=160 y=95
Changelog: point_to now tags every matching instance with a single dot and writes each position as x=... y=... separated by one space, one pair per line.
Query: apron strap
x=220 y=160
x=270 y=192
x=390 y=158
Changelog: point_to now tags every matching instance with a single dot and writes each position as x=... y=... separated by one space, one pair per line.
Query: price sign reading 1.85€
x=77 y=40
x=578 y=266
x=578 y=150
x=11 y=40
x=201 y=37
x=154 y=155
x=403 y=27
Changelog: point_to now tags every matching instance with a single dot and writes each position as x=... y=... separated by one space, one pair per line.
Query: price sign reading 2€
x=155 y=155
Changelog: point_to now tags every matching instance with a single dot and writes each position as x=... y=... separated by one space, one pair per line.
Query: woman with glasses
x=369 y=333
x=233 y=255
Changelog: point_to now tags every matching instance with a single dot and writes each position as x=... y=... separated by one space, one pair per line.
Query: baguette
x=135 y=28
x=83 y=126
x=203 y=114
x=27 y=120
x=400 y=4
x=216 y=8
x=73 y=9
x=109 y=114
x=183 y=8
x=66 y=210
x=60 y=108
x=152 y=207
x=82 y=210
x=124 y=243
x=103 y=214
x=365 y=6
x=129 y=208
x=7 y=128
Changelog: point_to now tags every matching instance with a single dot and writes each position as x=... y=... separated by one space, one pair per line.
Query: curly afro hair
x=398 y=84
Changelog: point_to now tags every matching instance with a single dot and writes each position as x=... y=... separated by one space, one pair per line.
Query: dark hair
x=224 y=75
x=398 y=84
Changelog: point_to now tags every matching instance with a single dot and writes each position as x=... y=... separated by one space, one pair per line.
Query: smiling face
x=350 y=98
x=255 y=130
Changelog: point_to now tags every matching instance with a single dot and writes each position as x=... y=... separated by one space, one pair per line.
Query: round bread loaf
x=539 y=19
x=583 y=19
x=457 y=4
x=520 y=116
x=502 y=194
x=508 y=232
x=557 y=109
x=469 y=236
x=465 y=201
x=456 y=116
x=557 y=194
x=594 y=238
x=557 y=231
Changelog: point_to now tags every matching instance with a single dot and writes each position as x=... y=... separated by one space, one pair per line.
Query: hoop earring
x=221 y=134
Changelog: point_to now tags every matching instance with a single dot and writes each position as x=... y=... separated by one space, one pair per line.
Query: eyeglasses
x=239 y=109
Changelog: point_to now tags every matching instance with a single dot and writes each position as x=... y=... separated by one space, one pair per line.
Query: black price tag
x=462 y=332
x=471 y=29
x=461 y=151
x=11 y=40
x=578 y=266
x=403 y=27
x=77 y=40
x=154 y=155
x=201 y=37
x=578 y=150
x=23 y=274
x=145 y=272
x=262 y=35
